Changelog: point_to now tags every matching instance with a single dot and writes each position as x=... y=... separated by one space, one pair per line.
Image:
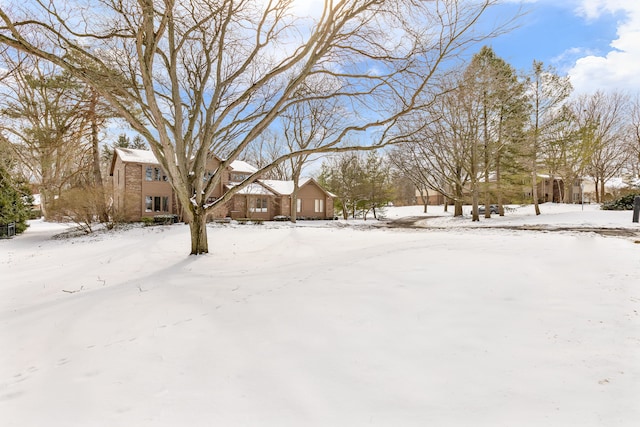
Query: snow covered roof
x=138 y=156
x=283 y=187
x=242 y=166
x=253 y=189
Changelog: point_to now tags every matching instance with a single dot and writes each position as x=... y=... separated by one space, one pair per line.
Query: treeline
x=489 y=132
x=53 y=143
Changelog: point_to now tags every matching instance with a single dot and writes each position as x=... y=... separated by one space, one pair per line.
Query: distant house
x=142 y=189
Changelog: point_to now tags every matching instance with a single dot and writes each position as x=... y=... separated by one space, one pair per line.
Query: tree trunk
x=602 y=191
x=44 y=203
x=457 y=203
x=457 y=208
x=198 y=228
x=294 y=197
x=95 y=148
x=534 y=190
x=475 y=196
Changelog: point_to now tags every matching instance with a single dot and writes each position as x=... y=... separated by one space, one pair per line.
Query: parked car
x=492 y=209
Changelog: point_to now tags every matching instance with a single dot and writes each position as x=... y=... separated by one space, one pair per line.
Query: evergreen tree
x=503 y=113
x=15 y=199
x=123 y=141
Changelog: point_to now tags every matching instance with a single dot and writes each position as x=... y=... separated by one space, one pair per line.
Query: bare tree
x=199 y=78
x=634 y=137
x=442 y=147
x=264 y=151
x=412 y=163
x=307 y=126
x=547 y=91
x=603 y=117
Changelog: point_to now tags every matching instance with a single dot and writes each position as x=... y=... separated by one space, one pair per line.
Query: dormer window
x=237 y=177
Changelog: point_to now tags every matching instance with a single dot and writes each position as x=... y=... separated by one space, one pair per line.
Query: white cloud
x=619 y=69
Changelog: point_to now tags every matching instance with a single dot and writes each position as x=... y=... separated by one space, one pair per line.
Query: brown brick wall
x=133 y=191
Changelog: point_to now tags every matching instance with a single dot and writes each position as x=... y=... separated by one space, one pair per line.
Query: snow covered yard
x=324 y=324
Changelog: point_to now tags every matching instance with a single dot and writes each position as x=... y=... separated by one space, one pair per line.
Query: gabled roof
x=242 y=166
x=253 y=189
x=137 y=156
x=284 y=188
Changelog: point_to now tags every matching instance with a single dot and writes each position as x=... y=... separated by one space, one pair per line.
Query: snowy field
x=326 y=324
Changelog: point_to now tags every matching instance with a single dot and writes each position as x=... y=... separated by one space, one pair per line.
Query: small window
x=156 y=203
x=237 y=177
x=154 y=174
x=259 y=204
x=298 y=205
x=319 y=205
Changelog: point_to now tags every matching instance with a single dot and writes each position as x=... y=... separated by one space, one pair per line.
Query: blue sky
x=595 y=42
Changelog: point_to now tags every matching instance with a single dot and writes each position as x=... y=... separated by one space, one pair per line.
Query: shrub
x=78 y=205
x=624 y=203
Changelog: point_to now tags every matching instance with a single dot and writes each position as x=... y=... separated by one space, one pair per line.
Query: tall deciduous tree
x=306 y=126
x=634 y=137
x=565 y=152
x=198 y=78
x=438 y=154
x=547 y=91
x=603 y=118
x=46 y=125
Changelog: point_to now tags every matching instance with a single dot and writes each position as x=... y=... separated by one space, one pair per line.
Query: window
x=237 y=177
x=259 y=204
x=319 y=205
x=298 y=205
x=154 y=174
x=156 y=204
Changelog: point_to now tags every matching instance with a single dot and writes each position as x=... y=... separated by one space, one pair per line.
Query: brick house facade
x=142 y=189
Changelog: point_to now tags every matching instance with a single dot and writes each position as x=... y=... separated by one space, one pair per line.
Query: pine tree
x=15 y=200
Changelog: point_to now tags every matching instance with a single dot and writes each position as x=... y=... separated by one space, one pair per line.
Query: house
x=142 y=189
x=555 y=189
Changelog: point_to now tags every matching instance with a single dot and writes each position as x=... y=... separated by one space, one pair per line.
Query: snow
x=254 y=189
x=137 y=156
x=284 y=188
x=242 y=166
x=326 y=324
